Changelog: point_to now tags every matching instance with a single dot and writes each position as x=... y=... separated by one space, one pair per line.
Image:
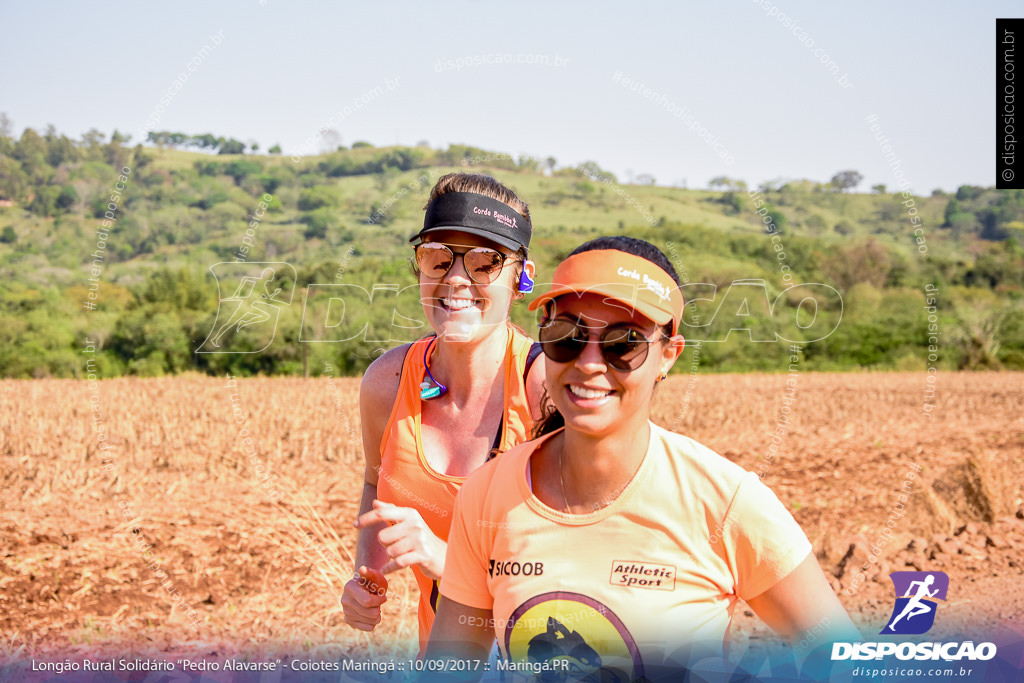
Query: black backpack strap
x=531 y=357
x=496 y=446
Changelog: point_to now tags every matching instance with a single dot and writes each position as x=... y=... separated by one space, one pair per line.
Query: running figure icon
x=915 y=605
x=251 y=304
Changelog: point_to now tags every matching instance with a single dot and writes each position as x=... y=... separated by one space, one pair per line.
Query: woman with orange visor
x=611 y=548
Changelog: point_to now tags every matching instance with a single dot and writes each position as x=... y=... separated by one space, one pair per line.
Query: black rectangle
x=1009 y=117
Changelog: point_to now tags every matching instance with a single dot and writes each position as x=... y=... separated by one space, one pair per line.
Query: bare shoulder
x=380 y=382
x=377 y=393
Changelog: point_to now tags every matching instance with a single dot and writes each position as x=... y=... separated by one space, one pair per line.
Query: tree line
x=345 y=217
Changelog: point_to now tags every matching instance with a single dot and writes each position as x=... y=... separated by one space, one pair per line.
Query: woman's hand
x=407 y=539
x=362 y=598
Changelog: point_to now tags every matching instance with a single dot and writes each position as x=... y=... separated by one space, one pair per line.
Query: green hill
x=149 y=240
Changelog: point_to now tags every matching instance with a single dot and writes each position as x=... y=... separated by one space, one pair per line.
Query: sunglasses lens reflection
x=434 y=260
x=482 y=264
x=623 y=348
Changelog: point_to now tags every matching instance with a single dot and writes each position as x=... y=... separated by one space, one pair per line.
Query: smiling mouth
x=585 y=393
x=460 y=304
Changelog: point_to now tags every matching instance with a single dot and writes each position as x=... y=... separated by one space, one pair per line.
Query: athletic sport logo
x=916 y=595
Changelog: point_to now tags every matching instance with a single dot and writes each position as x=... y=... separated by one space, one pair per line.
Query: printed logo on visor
x=646 y=281
x=657 y=287
x=507 y=221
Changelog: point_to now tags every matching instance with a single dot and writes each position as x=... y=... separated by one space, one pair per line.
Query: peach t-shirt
x=632 y=585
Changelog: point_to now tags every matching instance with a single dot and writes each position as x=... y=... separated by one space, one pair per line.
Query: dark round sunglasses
x=624 y=348
x=483 y=264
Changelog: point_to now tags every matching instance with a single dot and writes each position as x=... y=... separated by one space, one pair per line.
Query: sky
x=682 y=91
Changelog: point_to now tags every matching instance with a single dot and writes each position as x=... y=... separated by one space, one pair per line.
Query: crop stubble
x=262 y=561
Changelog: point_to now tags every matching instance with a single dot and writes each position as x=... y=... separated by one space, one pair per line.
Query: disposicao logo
x=916 y=595
x=914 y=614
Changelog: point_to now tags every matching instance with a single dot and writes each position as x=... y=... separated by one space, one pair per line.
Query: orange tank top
x=405 y=477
